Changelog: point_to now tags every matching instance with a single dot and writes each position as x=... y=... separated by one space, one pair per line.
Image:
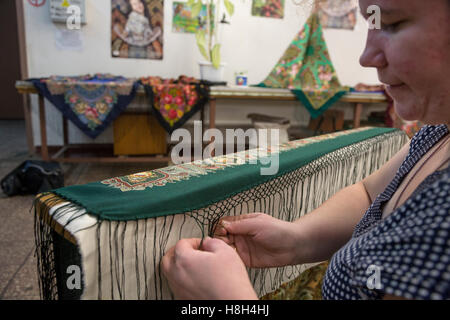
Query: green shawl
x=307 y=70
x=186 y=187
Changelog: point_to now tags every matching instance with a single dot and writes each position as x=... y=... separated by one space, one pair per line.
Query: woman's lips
x=395 y=87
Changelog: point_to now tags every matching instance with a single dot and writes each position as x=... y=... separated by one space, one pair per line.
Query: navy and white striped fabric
x=407 y=254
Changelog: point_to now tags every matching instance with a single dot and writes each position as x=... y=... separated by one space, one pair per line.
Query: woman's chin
x=407 y=111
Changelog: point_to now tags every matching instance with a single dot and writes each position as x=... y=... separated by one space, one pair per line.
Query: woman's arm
x=263 y=241
x=327 y=228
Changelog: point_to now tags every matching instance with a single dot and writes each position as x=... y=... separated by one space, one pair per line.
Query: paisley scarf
x=89 y=102
x=175 y=101
x=306 y=69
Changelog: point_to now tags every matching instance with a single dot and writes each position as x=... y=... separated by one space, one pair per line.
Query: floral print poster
x=268 y=8
x=183 y=21
x=338 y=14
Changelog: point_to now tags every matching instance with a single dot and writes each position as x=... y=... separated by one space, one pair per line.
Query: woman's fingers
x=230 y=227
x=243 y=226
x=187 y=244
x=227 y=224
x=167 y=260
x=214 y=245
x=178 y=252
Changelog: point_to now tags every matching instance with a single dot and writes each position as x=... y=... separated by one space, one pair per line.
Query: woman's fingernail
x=225 y=223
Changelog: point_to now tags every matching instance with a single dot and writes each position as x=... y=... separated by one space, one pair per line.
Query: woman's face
x=411 y=52
x=137 y=6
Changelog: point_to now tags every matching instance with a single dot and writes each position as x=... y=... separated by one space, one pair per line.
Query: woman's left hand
x=215 y=272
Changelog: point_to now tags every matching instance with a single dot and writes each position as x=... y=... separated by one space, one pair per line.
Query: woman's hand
x=215 y=272
x=260 y=240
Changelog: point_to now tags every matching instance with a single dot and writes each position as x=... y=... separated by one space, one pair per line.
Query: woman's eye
x=391 y=27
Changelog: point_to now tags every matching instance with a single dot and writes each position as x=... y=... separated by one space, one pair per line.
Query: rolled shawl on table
x=118 y=229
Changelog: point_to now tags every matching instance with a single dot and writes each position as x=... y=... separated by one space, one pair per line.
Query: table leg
x=212 y=113
x=43 y=125
x=202 y=119
x=65 y=131
x=28 y=123
x=212 y=119
x=357 y=115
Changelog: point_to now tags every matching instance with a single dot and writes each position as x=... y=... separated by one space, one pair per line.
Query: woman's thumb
x=213 y=244
x=237 y=227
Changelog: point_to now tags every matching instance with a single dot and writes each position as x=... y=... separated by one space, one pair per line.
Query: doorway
x=11 y=103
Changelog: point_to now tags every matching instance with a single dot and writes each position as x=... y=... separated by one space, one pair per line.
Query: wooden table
x=25 y=87
x=358 y=99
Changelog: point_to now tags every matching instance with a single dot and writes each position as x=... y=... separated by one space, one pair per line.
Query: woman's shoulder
x=428 y=134
x=412 y=246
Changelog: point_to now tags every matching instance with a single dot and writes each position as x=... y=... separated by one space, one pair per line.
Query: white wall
x=253 y=44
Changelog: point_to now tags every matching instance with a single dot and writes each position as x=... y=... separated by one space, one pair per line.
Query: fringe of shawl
x=128 y=253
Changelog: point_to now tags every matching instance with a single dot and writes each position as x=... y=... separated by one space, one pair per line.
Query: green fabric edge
x=304 y=100
x=290 y=161
x=317 y=112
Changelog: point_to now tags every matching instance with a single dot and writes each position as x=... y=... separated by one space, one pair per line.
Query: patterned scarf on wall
x=307 y=70
x=174 y=101
x=89 y=102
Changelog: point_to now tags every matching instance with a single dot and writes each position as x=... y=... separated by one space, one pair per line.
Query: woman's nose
x=373 y=55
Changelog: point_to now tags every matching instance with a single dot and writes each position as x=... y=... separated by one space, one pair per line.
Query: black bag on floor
x=33 y=177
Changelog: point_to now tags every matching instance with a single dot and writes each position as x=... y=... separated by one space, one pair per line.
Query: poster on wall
x=62 y=10
x=137 y=29
x=268 y=8
x=183 y=21
x=338 y=14
x=68 y=40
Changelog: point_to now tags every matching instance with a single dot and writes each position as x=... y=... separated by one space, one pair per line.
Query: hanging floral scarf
x=306 y=69
x=174 y=101
x=89 y=102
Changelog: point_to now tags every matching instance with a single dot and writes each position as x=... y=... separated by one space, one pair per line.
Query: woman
x=386 y=237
